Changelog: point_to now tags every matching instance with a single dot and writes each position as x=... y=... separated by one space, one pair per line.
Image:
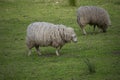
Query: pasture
x=101 y=49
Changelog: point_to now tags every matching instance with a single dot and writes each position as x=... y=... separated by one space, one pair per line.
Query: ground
x=101 y=49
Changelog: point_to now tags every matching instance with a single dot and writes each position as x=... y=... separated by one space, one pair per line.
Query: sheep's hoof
x=58 y=54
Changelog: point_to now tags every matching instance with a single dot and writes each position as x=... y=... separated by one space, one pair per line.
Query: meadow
x=101 y=49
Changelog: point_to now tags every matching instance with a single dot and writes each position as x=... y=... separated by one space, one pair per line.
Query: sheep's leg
x=81 y=24
x=57 y=51
x=38 y=50
x=94 y=27
x=30 y=46
x=29 y=52
x=83 y=30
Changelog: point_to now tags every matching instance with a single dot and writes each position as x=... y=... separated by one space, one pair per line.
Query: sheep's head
x=74 y=38
x=72 y=35
x=104 y=28
x=67 y=34
x=106 y=25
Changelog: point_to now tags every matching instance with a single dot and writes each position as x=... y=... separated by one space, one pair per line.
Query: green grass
x=102 y=49
x=72 y=2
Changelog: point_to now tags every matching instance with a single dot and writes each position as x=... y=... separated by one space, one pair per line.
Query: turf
x=101 y=49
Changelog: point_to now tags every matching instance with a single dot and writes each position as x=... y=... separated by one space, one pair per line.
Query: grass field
x=101 y=49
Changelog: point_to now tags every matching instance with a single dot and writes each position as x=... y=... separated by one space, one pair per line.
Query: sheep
x=45 y=34
x=93 y=15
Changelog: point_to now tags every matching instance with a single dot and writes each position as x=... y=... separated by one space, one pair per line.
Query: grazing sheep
x=93 y=15
x=47 y=34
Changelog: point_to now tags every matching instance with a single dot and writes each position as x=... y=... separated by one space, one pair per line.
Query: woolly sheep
x=47 y=34
x=93 y=15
